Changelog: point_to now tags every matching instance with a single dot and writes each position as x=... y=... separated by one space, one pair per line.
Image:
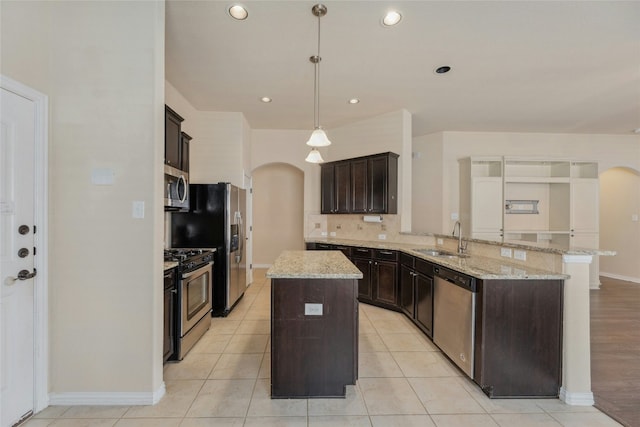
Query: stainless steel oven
x=194 y=299
x=196 y=296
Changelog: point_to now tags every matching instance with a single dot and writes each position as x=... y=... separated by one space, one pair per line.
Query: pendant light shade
x=314 y=157
x=318 y=136
x=318 y=139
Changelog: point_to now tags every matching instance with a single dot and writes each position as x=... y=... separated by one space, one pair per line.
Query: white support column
x=576 y=345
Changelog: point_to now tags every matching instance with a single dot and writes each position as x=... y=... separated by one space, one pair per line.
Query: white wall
x=427 y=211
x=278 y=195
x=619 y=200
x=102 y=66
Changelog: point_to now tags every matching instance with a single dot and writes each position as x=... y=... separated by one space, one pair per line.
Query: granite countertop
x=530 y=246
x=473 y=265
x=313 y=265
x=168 y=265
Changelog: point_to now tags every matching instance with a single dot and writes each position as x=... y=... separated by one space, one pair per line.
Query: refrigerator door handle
x=240 y=237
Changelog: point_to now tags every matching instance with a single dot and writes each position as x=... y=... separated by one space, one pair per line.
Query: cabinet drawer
x=384 y=254
x=361 y=253
x=407 y=260
x=324 y=247
x=424 y=267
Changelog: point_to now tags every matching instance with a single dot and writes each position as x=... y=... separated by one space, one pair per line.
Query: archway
x=278 y=212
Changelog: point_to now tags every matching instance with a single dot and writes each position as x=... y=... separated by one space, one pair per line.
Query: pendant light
x=318 y=136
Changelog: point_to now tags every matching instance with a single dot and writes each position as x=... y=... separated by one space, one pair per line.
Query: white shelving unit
x=547 y=202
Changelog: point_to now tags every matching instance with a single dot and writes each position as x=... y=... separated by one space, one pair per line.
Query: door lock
x=22 y=275
x=23 y=252
x=23 y=229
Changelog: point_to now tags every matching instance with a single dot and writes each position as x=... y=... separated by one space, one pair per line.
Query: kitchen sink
x=441 y=254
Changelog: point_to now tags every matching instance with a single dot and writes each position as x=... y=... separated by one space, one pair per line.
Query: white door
x=17 y=145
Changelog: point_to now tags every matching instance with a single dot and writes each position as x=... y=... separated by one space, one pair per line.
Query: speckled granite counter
x=313 y=265
x=476 y=266
x=168 y=265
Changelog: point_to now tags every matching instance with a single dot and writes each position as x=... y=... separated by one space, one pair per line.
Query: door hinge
x=34 y=229
x=251 y=228
x=251 y=190
x=250 y=266
x=34 y=250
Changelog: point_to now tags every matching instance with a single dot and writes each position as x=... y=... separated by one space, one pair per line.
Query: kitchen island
x=314 y=324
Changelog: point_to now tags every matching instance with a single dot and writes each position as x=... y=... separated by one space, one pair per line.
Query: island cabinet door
x=518 y=337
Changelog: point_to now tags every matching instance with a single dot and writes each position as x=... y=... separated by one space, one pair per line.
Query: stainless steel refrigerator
x=216 y=220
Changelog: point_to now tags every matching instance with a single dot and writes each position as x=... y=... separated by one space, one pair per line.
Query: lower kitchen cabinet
x=384 y=278
x=518 y=337
x=365 y=290
x=170 y=302
x=416 y=291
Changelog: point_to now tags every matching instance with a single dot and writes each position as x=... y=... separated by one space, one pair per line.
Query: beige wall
x=619 y=200
x=101 y=64
x=278 y=223
x=427 y=183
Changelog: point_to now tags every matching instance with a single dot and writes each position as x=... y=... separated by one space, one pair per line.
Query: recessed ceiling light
x=238 y=12
x=442 y=70
x=391 y=18
x=353 y=101
x=266 y=99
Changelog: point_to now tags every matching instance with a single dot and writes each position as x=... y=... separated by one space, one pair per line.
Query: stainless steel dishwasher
x=454 y=303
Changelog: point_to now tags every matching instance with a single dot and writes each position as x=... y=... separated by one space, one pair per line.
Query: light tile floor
x=404 y=380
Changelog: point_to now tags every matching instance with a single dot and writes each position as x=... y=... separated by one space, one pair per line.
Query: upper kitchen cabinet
x=185 y=140
x=366 y=184
x=172 y=138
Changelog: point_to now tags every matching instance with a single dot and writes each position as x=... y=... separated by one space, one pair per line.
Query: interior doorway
x=278 y=212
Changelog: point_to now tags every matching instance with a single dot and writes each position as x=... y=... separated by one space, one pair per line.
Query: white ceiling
x=517 y=66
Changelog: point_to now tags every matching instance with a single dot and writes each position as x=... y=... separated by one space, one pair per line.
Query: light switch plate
x=455 y=216
x=382 y=236
x=634 y=217
x=102 y=176
x=312 y=309
x=520 y=255
x=332 y=233
x=439 y=241
x=137 y=209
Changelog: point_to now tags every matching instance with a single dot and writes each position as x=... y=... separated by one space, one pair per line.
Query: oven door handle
x=198 y=271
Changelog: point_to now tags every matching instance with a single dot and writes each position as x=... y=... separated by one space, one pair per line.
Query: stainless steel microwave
x=176 y=189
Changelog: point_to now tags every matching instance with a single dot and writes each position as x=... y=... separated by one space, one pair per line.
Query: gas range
x=189 y=258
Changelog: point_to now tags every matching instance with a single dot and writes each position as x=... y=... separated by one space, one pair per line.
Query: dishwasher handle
x=453 y=277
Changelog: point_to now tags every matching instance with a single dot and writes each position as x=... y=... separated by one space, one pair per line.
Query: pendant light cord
x=317 y=81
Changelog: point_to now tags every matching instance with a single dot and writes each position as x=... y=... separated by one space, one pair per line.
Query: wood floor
x=615 y=350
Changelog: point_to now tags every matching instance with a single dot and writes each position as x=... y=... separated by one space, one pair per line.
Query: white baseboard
x=107 y=398
x=620 y=277
x=262 y=265
x=576 y=399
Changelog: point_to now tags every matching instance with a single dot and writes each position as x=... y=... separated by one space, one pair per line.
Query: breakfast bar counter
x=314 y=324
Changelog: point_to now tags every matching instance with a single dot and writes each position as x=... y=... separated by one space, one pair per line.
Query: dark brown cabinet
x=518 y=337
x=313 y=356
x=363 y=259
x=384 y=278
x=172 y=138
x=416 y=291
x=170 y=299
x=366 y=184
x=185 y=140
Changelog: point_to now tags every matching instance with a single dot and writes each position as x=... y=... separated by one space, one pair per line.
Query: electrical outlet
x=440 y=241
x=382 y=236
x=634 y=217
x=455 y=216
x=323 y=233
x=312 y=309
x=137 y=209
x=505 y=252
x=520 y=255
x=317 y=225
x=332 y=234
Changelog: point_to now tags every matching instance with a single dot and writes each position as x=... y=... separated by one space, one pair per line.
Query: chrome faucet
x=461 y=247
